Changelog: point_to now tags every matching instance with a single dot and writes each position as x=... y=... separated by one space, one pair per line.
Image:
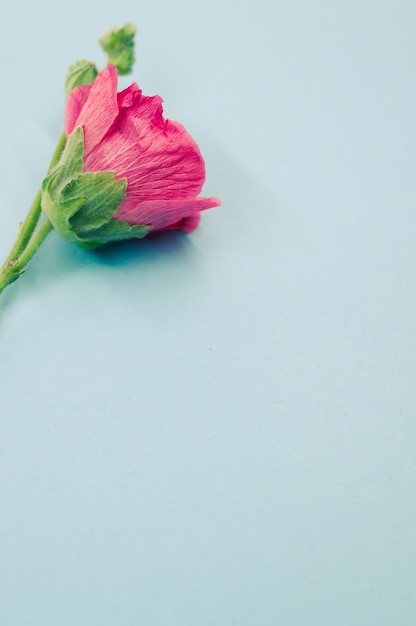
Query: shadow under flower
x=57 y=261
x=139 y=251
x=248 y=211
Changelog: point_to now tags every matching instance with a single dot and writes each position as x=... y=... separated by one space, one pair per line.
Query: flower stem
x=14 y=268
x=58 y=151
x=38 y=237
x=27 y=240
x=26 y=229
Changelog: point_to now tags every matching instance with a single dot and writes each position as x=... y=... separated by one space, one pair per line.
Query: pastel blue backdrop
x=219 y=429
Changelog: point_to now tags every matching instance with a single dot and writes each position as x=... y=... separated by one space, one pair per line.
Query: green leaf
x=102 y=195
x=81 y=206
x=60 y=213
x=80 y=73
x=118 y=44
x=113 y=231
x=70 y=163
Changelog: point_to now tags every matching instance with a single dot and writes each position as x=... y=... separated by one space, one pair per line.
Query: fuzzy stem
x=58 y=151
x=13 y=269
x=24 y=248
x=40 y=234
x=26 y=229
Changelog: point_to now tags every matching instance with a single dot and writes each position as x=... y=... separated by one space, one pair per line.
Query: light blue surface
x=219 y=429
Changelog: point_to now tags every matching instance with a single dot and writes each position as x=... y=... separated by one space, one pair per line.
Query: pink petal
x=187 y=224
x=165 y=214
x=158 y=157
x=76 y=100
x=144 y=107
x=126 y=98
x=126 y=133
x=100 y=108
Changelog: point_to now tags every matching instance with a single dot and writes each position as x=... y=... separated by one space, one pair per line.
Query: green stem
x=58 y=151
x=24 y=248
x=13 y=269
x=39 y=235
x=26 y=229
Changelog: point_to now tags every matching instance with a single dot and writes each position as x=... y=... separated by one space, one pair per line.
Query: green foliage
x=118 y=44
x=81 y=207
x=80 y=73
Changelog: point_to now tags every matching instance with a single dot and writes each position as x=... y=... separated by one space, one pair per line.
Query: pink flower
x=126 y=133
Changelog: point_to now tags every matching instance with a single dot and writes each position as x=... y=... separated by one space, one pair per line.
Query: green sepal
x=60 y=213
x=69 y=165
x=81 y=206
x=118 y=44
x=80 y=73
x=113 y=231
x=102 y=195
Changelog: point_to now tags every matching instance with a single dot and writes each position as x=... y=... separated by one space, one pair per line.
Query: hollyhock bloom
x=126 y=133
x=119 y=171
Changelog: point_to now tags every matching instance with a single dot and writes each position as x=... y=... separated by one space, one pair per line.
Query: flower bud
x=126 y=133
x=118 y=44
x=80 y=73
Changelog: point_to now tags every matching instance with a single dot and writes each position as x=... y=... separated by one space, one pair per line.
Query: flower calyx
x=81 y=205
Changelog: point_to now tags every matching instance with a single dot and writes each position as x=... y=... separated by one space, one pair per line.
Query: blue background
x=219 y=429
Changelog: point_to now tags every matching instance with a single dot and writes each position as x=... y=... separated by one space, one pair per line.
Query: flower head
x=126 y=133
x=119 y=171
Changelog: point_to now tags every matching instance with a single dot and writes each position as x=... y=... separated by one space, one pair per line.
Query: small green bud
x=118 y=44
x=81 y=73
x=81 y=206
